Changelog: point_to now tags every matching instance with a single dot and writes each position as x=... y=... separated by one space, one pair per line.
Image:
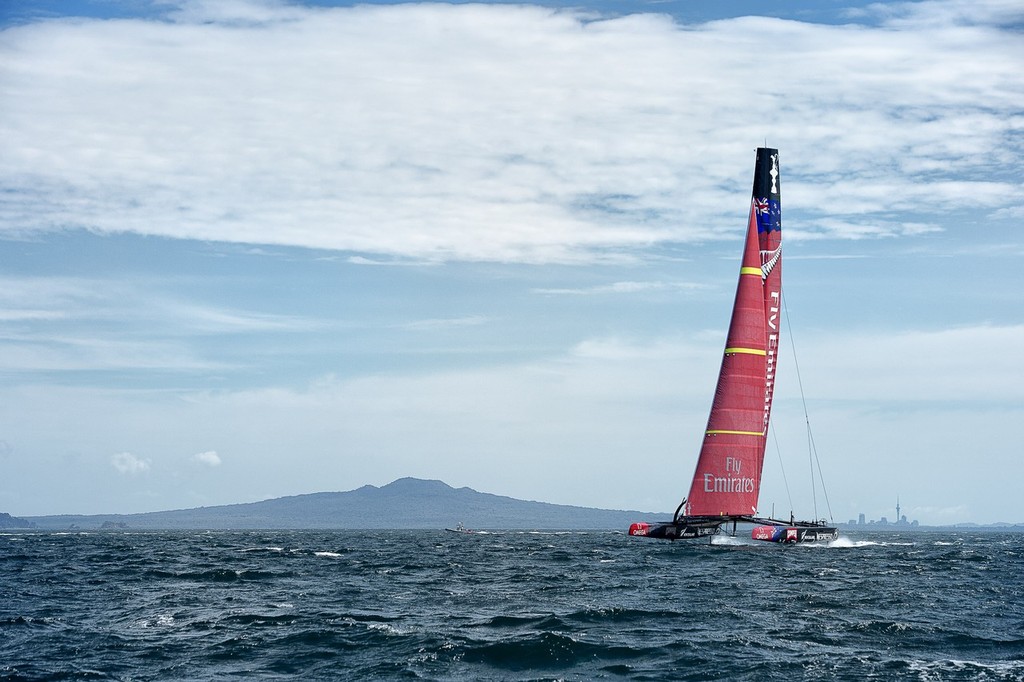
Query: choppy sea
x=430 y=605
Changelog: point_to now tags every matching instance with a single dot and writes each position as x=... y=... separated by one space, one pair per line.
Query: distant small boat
x=727 y=481
x=459 y=528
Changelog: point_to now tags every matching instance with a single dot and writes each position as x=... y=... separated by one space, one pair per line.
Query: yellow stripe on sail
x=751 y=271
x=748 y=351
x=715 y=432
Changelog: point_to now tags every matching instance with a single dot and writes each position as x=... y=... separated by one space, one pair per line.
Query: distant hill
x=8 y=521
x=405 y=503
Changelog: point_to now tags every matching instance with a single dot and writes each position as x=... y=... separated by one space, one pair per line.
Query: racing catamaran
x=727 y=480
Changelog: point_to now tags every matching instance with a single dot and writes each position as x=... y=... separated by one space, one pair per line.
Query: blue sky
x=253 y=249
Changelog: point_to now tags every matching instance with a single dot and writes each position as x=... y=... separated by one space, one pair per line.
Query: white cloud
x=206 y=319
x=362 y=260
x=209 y=458
x=433 y=131
x=235 y=11
x=446 y=323
x=127 y=463
x=955 y=365
x=940 y=515
x=629 y=287
x=955 y=12
x=572 y=427
x=74 y=317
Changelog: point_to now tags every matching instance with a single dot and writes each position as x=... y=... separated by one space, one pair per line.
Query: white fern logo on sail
x=768 y=261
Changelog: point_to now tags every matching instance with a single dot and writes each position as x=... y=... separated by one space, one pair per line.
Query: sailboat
x=727 y=481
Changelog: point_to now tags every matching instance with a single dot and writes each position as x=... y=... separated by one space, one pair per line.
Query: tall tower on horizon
x=898 y=509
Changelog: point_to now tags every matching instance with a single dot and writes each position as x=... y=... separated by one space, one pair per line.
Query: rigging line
x=810 y=463
x=812 y=453
x=782 y=466
x=821 y=476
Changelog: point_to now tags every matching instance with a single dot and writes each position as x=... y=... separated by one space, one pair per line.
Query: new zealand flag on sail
x=769 y=214
x=767 y=192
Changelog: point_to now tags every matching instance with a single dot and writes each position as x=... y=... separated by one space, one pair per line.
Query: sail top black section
x=767 y=184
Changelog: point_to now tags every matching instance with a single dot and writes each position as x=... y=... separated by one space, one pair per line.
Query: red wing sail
x=728 y=476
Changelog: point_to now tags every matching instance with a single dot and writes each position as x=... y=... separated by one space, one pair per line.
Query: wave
x=404 y=605
x=29 y=621
x=259 y=619
x=967 y=670
x=544 y=651
x=219 y=575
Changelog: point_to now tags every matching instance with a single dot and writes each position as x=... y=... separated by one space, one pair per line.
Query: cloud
x=621 y=288
x=43 y=353
x=69 y=324
x=607 y=409
x=501 y=132
x=209 y=458
x=940 y=14
x=916 y=367
x=953 y=514
x=206 y=319
x=446 y=323
x=127 y=463
x=363 y=260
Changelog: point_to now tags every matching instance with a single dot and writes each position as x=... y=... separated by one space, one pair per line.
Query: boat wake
x=735 y=541
x=844 y=542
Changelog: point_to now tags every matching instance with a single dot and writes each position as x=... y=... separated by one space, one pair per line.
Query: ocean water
x=430 y=605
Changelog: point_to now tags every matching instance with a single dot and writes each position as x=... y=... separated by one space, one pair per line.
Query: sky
x=251 y=249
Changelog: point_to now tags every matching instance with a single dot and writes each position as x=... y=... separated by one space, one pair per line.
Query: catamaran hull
x=794 y=534
x=675 y=531
x=690 y=528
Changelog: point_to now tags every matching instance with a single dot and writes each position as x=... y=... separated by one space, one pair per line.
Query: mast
x=727 y=479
